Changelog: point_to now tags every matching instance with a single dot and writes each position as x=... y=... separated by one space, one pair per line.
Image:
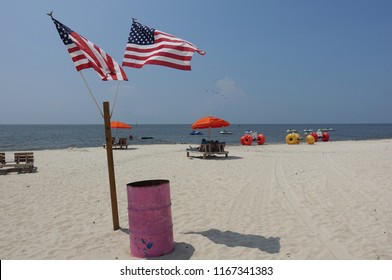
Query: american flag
x=150 y=46
x=85 y=55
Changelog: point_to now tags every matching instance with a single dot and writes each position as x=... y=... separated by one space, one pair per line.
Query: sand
x=325 y=201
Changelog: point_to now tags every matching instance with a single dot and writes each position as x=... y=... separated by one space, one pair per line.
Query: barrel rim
x=148 y=183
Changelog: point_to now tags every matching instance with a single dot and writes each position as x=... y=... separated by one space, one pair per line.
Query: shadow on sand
x=234 y=239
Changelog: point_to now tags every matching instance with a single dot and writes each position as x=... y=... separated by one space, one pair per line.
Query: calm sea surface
x=42 y=137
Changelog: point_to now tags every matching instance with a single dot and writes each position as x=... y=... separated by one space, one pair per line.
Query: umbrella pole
x=109 y=153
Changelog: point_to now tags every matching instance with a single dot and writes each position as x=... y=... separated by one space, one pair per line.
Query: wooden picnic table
x=210 y=148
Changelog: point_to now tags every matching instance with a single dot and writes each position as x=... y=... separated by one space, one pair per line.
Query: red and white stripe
x=167 y=50
x=85 y=54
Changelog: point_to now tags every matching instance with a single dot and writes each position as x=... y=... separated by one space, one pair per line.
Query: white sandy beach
x=323 y=201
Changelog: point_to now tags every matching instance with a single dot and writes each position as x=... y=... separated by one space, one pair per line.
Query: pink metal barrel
x=150 y=218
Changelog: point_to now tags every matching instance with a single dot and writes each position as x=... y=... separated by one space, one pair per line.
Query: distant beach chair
x=122 y=143
x=208 y=148
x=217 y=146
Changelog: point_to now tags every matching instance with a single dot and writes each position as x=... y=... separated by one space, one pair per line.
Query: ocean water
x=42 y=137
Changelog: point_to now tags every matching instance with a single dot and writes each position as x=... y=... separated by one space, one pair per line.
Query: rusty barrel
x=150 y=218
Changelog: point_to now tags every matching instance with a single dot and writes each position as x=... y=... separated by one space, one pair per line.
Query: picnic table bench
x=207 y=149
x=122 y=143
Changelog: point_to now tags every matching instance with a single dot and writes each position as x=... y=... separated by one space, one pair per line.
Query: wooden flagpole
x=109 y=153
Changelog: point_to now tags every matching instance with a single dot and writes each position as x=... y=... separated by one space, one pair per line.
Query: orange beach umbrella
x=116 y=124
x=209 y=122
x=119 y=125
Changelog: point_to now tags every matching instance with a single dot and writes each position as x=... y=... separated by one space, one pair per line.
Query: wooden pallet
x=22 y=162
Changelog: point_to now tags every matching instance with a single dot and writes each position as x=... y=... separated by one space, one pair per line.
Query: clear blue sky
x=280 y=61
